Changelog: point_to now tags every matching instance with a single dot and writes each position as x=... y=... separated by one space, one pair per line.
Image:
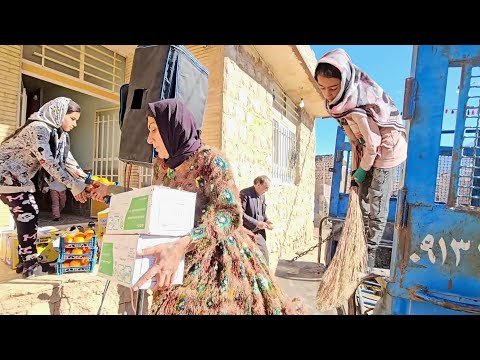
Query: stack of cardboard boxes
x=139 y=219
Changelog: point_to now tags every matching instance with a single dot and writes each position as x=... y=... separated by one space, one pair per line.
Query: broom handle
x=356 y=155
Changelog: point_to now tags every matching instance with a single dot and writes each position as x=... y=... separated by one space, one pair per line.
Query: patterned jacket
x=25 y=153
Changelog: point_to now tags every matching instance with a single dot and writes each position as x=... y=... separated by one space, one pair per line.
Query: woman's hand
x=269 y=225
x=359 y=175
x=167 y=258
x=99 y=192
x=81 y=197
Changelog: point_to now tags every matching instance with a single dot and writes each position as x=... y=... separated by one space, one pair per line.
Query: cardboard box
x=3 y=247
x=119 y=262
x=154 y=210
x=45 y=237
x=9 y=253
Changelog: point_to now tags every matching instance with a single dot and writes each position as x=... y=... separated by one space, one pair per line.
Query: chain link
x=303 y=253
x=316 y=237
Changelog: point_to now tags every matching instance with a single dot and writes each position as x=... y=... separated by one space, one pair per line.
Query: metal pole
x=140 y=298
x=320 y=240
x=107 y=284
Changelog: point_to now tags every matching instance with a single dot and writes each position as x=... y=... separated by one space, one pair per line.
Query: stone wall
x=247 y=141
x=322 y=174
x=323 y=183
x=10 y=77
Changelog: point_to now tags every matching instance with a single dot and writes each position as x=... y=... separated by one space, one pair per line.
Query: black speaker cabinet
x=158 y=72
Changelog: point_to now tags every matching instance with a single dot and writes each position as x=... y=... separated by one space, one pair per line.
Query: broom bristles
x=349 y=262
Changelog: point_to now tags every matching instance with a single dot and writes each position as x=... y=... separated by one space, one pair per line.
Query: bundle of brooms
x=349 y=262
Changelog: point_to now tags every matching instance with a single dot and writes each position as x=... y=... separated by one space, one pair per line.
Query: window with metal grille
x=145 y=176
x=468 y=191
x=106 y=137
x=467 y=183
x=94 y=64
x=284 y=155
x=284 y=105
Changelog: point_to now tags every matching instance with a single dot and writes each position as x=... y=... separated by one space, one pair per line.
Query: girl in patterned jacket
x=42 y=142
x=375 y=130
x=225 y=272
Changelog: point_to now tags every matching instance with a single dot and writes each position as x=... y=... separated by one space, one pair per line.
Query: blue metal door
x=436 y=255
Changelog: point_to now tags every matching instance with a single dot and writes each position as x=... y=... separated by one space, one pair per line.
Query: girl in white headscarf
x=375 y=130
x=42 y=142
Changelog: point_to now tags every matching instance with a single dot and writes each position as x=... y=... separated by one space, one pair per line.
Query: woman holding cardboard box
x=225 y=271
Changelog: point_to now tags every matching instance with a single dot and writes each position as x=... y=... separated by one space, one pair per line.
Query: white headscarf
x=52 y=112
x=360 y=94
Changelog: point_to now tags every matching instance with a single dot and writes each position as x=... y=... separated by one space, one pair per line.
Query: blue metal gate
x=436 y=254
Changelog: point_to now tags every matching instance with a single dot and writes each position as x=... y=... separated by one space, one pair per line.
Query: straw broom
x=350 y=260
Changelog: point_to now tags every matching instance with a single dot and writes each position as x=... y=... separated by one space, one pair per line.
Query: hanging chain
x=303 y=253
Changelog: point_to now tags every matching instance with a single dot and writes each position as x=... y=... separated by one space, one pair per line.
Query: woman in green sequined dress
x=225 y=272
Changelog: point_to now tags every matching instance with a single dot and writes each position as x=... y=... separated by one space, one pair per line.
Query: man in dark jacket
x=254 y=216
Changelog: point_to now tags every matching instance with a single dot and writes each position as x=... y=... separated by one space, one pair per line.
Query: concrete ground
x=72 y=294
x=7 y=274
x=301 y=278
x=297 y=279
x=45 y=219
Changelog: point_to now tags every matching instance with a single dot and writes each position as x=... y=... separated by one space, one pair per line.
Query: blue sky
x=388 y=65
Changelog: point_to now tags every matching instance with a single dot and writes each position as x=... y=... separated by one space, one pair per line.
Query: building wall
x=212 y=58
x=323 y=183
x=322 y=174
x=247 y=142
x=10 y=79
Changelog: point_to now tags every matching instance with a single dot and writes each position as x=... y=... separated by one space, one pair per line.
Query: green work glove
x=359 y=175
